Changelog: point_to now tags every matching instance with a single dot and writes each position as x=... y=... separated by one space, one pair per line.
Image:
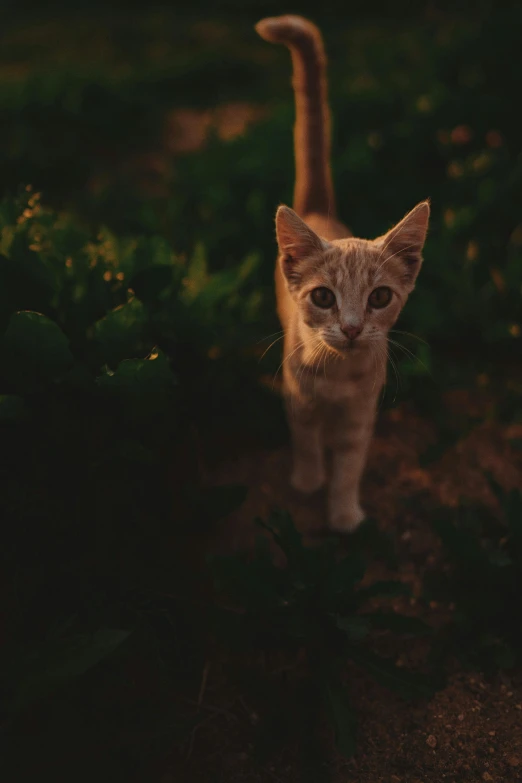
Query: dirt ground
x=471 y=730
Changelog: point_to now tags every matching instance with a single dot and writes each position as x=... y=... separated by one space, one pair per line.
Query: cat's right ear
x=296 y=241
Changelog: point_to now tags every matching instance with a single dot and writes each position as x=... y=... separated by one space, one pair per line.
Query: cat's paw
x=307 y=481
x=346 y=520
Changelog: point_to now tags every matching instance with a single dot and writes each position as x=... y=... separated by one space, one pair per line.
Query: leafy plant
x=56 y=663
x=314 y=610
x=99 y=339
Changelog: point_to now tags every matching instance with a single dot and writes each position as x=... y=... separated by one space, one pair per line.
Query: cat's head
x=350 y=291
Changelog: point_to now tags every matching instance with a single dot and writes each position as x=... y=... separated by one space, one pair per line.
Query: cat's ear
x=405 y=241
x=297 y=242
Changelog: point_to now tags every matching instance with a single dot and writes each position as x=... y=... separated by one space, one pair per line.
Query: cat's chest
x=351 y=388
x=336 y=382
x=354 y=385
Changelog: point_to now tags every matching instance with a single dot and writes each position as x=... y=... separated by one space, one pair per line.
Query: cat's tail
x=313 y=178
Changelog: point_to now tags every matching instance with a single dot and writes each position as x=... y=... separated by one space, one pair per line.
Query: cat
x=337 y=297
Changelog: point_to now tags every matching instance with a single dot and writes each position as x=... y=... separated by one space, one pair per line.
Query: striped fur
x=313 y=181
x=332 y=381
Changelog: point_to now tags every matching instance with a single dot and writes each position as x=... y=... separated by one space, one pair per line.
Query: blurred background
x=176 y=121
x=144 y=148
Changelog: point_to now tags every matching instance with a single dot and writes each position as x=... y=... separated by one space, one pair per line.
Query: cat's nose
x=351 y=331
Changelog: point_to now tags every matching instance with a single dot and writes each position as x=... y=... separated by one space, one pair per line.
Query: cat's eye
x=380 y=297
x=323 y=297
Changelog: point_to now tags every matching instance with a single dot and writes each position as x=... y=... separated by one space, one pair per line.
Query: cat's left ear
x=297 y=243
x=405 y=241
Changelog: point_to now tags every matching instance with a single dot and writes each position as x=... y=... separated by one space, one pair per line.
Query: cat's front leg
x=309 y=471
x=349 y=449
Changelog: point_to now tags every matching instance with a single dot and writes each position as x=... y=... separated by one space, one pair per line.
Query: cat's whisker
x=315 y=359
x=298 y=375
x=403 y=348
x=379 y=359
x=398 y=252
x=285 y=359
x=321 y=358
x=270 y=346
x=323 y=355
x=326 y=352
x=390 y=240
x=301 y=370
x=408 y=334
x=269 y=336
x=316 y=367
x=303 y=366
x=383 y=248
x=289 y=356
x=409 y=353
x=393 y=363
x=373 y=354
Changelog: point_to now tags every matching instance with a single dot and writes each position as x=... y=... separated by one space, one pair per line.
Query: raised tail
x=313 y=192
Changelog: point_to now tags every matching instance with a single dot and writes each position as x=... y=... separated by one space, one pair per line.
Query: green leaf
x=124 y=450
x=253 y=586
x=79 y=378
x=26 y=275
x=500 y=559
x=385 y=589
x=121 y=333
x=139 y=376
x=197 y=274
x=345 y=575
x=398 y=623
x=419 y=362
x=505 y=656
x=513 y=511
x=148 y=284
x=285 y=534
x=339 y=710
x=221 y=286
x=12 y=407
x=356 y=628
x=146 y=385
x=34 y=351
x=59 y=662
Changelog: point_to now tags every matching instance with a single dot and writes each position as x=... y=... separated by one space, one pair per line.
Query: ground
x=471 y=730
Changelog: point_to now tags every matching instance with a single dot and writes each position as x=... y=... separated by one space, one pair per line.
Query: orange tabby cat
x=337 y=296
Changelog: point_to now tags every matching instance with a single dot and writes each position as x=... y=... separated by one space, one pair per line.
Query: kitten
x=337 y=296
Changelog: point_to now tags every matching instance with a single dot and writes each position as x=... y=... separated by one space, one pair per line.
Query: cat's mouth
x=344 y=347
